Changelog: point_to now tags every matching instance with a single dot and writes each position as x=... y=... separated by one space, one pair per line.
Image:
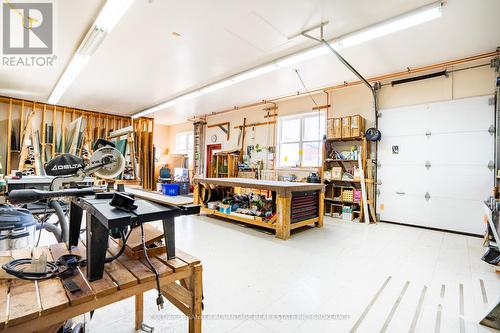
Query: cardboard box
x=357 y=125
x=346 y=127
x=329 y=129
x=336 y=173
x=337 y=128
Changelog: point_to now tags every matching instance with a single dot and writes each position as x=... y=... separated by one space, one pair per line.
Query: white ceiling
x=141 y=64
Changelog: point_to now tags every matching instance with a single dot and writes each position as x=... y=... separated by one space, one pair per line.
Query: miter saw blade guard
x=64 y=165
x=106 y=162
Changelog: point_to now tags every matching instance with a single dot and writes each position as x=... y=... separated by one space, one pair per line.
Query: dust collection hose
x=63 y=221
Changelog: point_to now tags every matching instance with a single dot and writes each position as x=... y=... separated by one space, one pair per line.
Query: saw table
x=101 y=217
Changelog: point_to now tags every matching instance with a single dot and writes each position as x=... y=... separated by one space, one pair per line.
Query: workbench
x=290 y=200
x=43 y=306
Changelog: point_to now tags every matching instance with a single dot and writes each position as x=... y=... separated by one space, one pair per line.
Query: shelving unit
x=334 y=187
x=225 y=165
x=54 y=117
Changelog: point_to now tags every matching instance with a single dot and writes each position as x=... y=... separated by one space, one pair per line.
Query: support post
x=197 y=290
x=139 y=311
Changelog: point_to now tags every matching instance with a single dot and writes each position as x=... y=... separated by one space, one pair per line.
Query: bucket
x=170 y=189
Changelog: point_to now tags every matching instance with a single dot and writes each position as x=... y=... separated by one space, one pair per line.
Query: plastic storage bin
x=170 y=189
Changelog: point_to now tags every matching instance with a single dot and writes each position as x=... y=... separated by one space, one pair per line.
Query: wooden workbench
x=285 y=195
x=43 y=306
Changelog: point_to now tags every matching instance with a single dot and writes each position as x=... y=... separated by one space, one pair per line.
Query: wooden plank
x=121 y=275
x=54 y=131
x=52 y=293
x=139 y=311
x=271 y=185
x=85 y=293
x=176 y=264
x=9 y=136
x=73 y=311
x=101 y=287
x=283 y=221
x=4 y=291
x=180 y=293
x=238 y=218
x=23 y=300
x=137 y=268
x=151 y=234
x=63 y=131
x=186 y=257
x=161 y=268
x=178 y=200
x=303 y=223
x=197 y=289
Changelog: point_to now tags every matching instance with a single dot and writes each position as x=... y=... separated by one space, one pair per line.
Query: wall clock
x=214 y=138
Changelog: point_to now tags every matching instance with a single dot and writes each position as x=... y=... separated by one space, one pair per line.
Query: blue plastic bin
x=170 y=189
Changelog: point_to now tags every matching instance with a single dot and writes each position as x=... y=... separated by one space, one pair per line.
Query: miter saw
x=67 y=170
x=106 y=162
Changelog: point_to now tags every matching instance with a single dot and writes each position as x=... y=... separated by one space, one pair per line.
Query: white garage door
x=434 y=164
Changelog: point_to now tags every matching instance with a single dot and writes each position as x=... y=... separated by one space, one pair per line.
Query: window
x=184 y=144
x=300 y=140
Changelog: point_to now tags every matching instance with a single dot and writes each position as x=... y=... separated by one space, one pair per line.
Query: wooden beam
x=321 y=107
x=9 y=135
x=256 y=124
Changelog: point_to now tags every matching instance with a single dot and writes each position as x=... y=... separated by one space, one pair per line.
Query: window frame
x=189 y=150
x=301 y=142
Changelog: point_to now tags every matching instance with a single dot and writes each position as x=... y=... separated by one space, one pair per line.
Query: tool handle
x=32 y=195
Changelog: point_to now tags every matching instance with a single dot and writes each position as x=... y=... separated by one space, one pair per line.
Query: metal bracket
x=145 y=329
x=379 y=164
x=379 y=182
x=428 y=134
x=427 y=196
x=378 y=192
x=379 y=114
x=495 y=63
x=428 y=165
x=491 y=101
x=377 y=85
x=491 y=165
x=491 y=129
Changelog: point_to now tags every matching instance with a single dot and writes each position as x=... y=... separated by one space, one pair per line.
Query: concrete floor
x=335 y=271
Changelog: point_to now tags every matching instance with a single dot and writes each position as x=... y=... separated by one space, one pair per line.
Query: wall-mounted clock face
x=214 y=138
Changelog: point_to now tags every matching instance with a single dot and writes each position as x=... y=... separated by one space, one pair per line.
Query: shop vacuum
x=17 y=228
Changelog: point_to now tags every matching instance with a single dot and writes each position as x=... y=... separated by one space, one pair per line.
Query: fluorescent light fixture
x=72 y=70
x=107 y=19
x=396 y=24
x=111 y=13
x=302 y=56
x=408 y=20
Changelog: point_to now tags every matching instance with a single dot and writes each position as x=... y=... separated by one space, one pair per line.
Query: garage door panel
x=470 y=114
x=457 y=215
x=392 y=118
x=401 y=179
x=404 y=209
x=461 y=182
x=471 y=148
x=410 y=149
x=458 y=179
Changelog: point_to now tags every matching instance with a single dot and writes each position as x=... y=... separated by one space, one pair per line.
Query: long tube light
x=401 y=22
x=108 y=17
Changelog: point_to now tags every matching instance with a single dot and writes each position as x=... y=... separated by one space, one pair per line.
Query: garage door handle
x=401 y=193
x=427 y=196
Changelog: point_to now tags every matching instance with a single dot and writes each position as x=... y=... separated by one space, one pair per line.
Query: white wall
x=353 y=100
